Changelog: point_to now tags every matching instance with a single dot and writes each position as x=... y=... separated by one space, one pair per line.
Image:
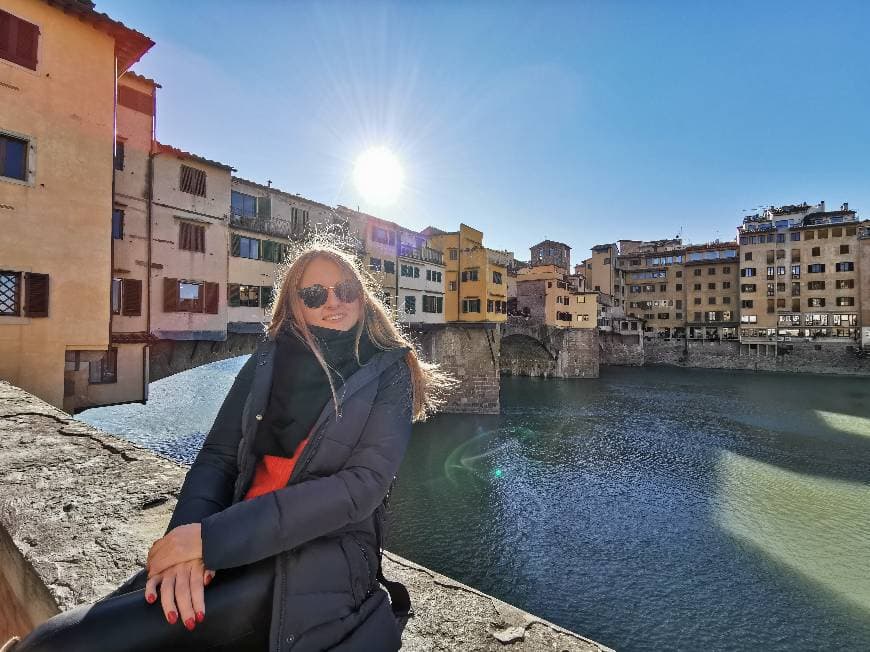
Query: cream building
x=420 y=281
x=57 y=141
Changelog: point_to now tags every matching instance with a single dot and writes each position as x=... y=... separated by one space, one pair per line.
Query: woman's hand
x=181 y=591
x=183 y=543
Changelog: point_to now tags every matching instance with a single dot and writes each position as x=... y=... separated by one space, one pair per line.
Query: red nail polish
x=189 y=624
x=151 y=598
x=200 y=616
x=172 y=617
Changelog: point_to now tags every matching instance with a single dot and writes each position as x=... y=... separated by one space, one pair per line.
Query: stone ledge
x=81 y=508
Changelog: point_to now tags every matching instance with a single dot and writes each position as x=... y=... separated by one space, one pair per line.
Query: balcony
x=271 y=226
x=424 y=254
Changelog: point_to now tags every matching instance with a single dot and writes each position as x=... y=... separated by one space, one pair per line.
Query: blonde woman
x=275 y=541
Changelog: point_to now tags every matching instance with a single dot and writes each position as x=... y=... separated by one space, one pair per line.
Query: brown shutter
x=170 y=295
x=232 y=294
x=183 y=235
x=36 y=301
x=236 y=245
x=19 y=40
x=132 y=293
x=212 y=292
x=200 y=239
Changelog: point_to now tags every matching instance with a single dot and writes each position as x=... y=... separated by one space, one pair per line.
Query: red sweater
x=273 y=472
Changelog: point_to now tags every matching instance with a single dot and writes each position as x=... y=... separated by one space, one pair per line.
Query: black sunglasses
x=316 y=295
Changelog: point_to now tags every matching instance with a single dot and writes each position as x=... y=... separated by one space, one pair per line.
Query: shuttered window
x=191 y=237
x=13 y=157
x=19 y=40
x=190 y=296
x=36 y=287
x=131 y=297
x=192 y=181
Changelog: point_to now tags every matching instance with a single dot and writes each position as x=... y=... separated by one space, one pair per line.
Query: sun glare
x=378 y=176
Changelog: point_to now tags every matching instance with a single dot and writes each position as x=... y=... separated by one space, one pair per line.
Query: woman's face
x=334 y=313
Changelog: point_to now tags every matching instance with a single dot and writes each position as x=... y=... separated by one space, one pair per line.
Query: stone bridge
x=530 y=348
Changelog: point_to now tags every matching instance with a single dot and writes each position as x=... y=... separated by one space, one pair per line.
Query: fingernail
x=207 y=579
x=200 y=616
x=172 y=617
x=189 y=624
x=151 y=598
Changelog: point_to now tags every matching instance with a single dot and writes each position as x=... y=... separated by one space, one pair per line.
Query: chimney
x=845 y=206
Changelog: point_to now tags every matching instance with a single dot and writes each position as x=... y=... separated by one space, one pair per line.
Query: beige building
x=380 y=247
x=864 y=283
x=189 y=241
x=545 y=295
x=711 y=299
x=57 y=141
x=476 y=280
x=655 y=285
x=264 y=222
x=420 y=281
x=799 y=274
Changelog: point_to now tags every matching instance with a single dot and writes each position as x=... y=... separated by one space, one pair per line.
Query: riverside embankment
x=79 y=509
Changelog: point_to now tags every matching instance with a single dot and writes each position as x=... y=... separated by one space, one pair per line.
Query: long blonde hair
x=429 y=382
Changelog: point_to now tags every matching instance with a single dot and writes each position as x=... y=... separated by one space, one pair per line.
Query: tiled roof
x=130 y=44
x=160 y=148
x=142 y=78
x=282 y=192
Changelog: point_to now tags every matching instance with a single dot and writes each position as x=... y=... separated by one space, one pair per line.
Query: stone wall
x=531 y=348
x=793 y=357
x=522 y=355
x=169 y=357
x=80 y=508
x=618 y=349
x=578 y=352
x=470 y=352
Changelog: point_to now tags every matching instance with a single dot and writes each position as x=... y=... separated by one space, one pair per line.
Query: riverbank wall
x=79 y=509
x=796 y=357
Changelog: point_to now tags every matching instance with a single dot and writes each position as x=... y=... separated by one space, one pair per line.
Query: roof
x=431 y=230
x=130 y=44
x=373 y=217
x=543 y=242
x=160 y=148
x=282 y=192
x=142 y=78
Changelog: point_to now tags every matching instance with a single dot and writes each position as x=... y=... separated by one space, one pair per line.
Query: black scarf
x=300 y=388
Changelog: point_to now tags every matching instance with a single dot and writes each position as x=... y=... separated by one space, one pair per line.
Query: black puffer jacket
x=320 y=528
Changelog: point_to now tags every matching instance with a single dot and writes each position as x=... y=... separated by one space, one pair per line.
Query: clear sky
x=583 y=122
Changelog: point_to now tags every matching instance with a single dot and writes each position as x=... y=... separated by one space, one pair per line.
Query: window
x=796 y=271
x=249 y=296
x=454 y=254
x=816 y=268
x=409 y=271
x=490 y=307
x=116 y=296
x=117 y=224
x=410 y=305
x=469 y=275
x=851 y=230
x=192 y=181
x=697 y=272
x=726 y=285
x=844 y=249
x=13 y=155
x=795 y=288
x=679 y=286
x=711 y=271
x=181 y=295
x=433 y=304
x=389 y=267
x=747 y=271
x=243 y=205
x=191 y=237
x=663 y=287
x=780 y=270
x=748 y=287
x=451 y=286
x=810 y=235
x=711 y=286
x=679 y=304
x=780 y=237
x=383 y=236
x=23 y=293
x=822 y=234
x=795 y=236
x=845 y=267
x=845 y=284
x=433 y=276
x=298 y=219
x=607 y=261
x=748 y=319
x=747 y=255
x=726 y=269
x=816 y=251
x=770 y=272
x=244 y=247
x=272 y=251
x=19 y=40
x=770 y=307
x=470 y=305
x=679 y=274
x=711 y=301
x=119 y=155
x=697 y=301
x=845 y=301
x=375 y=264
x=816 y=285
x=746 y=303
x=496 y=278
x=104 y=370
x=780 y=303
x=771 y=290
x=696 y=287
x=816 y=302
x=726 y=300
x=664 y=315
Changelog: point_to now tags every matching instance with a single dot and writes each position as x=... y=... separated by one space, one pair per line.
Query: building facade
x=58 y=66
x=545 y=295
x=420 y=281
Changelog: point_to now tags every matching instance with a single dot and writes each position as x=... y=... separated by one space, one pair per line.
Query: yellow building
x=475 y=279
x=57 y=141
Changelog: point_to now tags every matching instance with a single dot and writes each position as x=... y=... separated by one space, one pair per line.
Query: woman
x=282 y=505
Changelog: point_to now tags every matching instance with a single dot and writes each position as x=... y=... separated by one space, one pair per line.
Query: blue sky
x=583 y=122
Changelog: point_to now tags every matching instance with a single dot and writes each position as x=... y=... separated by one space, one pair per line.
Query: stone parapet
x=80 y=508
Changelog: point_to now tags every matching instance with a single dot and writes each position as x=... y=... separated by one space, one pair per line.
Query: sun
x=378 y=176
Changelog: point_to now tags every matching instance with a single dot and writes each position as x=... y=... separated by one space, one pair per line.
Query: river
x=651 y=508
